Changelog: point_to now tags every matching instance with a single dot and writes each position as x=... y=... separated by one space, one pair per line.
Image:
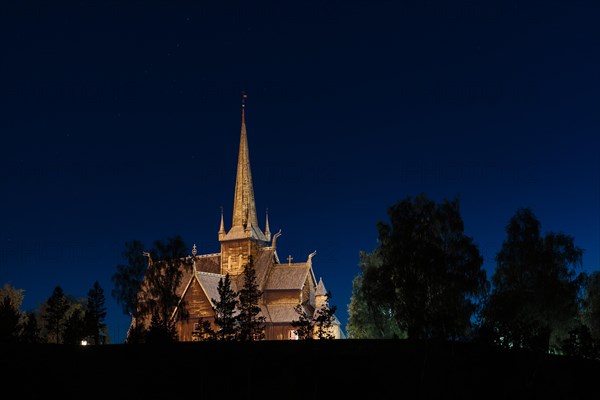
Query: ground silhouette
x=293 y=370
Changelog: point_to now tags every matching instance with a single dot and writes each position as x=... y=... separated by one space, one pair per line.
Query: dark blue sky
x=122 y=121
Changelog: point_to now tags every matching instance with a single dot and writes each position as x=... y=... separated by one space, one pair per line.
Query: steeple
x=244 y=221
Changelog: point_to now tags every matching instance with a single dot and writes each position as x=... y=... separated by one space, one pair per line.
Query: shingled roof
x=281 y=313
x=287 y=276
x=210 y=284
x=206 y=263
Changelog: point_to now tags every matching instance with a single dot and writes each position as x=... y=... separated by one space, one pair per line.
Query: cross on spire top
x=290 y=258
x=244 y=97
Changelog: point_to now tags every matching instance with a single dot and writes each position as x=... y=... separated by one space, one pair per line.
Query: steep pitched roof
x=287 y=276
x=263 y=264
x=209 y=283
x=209 y=263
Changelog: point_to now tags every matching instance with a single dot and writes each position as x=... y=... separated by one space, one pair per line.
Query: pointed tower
x=267 y=230
x=222 y=232
x=320 y=295
x=245 y=236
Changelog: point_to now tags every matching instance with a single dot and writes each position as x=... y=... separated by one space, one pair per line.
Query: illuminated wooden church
x=284 y=285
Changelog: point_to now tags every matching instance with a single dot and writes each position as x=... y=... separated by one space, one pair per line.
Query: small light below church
x=84 y=342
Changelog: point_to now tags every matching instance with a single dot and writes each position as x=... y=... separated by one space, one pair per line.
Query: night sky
x=121 y=121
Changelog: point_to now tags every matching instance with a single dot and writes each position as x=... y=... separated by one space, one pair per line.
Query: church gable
x=197 y=300
x=197 y=304
x=285 y=284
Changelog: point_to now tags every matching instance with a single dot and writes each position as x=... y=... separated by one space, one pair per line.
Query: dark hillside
x=292 y=370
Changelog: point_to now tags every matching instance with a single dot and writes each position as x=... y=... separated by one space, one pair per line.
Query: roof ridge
x=208 y=273
x=208 y=255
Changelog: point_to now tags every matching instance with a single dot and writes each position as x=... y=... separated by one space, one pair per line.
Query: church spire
x=244 y=206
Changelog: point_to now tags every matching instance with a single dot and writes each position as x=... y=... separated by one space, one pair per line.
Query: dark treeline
x=61 y=319
x=424 y=280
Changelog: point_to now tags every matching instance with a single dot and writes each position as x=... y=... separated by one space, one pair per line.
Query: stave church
x=284 y=285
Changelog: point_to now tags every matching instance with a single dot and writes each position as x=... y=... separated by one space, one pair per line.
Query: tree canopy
x=591 y=304
x=369 y=321
x=427 y=276
x=55 y=314
x=534 y=300
x=95 y=313
x=128 y=278
x=9 y=320
x=147 y=287
x=225 y=310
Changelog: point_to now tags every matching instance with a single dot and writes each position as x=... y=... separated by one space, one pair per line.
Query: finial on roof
x=147 y=254
x=274 y=241
x=222 y=232
x=267 y=230
x=194 y=250
x=290 y=258
x=310 y=256
x=244 y=97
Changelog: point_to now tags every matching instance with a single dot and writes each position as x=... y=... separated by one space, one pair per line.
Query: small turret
x=321 y=295
x=222 y=232
x=267 y=230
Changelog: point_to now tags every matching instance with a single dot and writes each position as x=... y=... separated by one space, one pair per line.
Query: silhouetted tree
x=128 y=278
x=429 y=278
x=136 y=334
x=224 y=309
x=591 y=304
x=16 y=295
x=31 y=332
x=95 y=313
x=158 y=298
x=203 y=331
x=55 y=314
x=580 y=343
x=534 y=301
x=304 y=325
x=9 y=321
x=318 y=325
x=74 y=327
x=161 y=331
x=251 y=324
x=367 y=320
x=324 y=319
